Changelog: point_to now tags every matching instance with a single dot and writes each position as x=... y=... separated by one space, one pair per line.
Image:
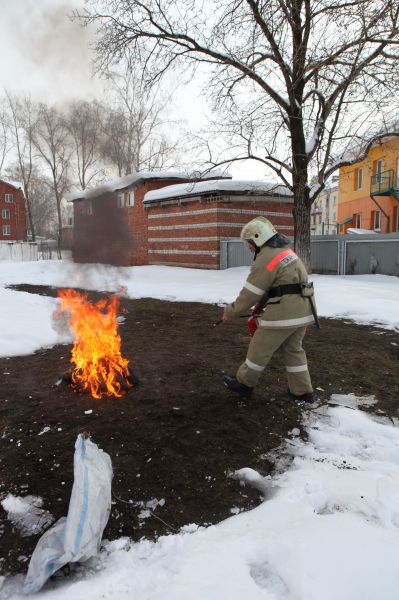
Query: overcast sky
x=46 y=54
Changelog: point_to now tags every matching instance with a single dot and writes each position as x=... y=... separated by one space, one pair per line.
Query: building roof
x=134 y=179
x=217 y=187
x=14 y=184
x=372 y=137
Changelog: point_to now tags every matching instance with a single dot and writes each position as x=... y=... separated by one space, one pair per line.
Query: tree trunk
x=30 y=218
x=59 y=244
x=302 y=201
x=302 y=223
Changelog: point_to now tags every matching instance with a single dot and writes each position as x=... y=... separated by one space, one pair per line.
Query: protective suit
x=279 y=277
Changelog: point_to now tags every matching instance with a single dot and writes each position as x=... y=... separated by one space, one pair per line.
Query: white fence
x=18 y=251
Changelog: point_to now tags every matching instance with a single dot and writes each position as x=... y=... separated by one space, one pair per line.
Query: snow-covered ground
x=25 y=319
x=329 y=526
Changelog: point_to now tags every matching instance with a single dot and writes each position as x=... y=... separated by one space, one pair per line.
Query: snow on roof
x=358 y=144
x=15 y=184
x=216 y=185
x=122 y=183
x=356 y=230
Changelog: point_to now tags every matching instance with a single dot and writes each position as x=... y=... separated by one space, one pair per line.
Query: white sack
x=78 y=536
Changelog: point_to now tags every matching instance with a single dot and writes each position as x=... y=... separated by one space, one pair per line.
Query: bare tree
x=23 y=120
x=299 y=77
x=84 y=125
x=134 y=125
x=51 y=138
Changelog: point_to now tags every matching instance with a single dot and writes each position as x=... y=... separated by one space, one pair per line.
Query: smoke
x=50 y=53
x=105 y=237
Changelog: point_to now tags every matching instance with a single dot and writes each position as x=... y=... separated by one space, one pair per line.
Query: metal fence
x=333 y=254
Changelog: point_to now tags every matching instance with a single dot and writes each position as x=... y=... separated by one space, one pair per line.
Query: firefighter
x=278 y=281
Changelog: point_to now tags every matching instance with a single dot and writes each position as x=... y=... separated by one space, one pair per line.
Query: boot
x=234 y=385
x=307 y=397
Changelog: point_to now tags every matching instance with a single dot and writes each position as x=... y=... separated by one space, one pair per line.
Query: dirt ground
x=179 y=434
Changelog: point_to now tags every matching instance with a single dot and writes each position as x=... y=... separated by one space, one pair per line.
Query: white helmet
x=258 y=231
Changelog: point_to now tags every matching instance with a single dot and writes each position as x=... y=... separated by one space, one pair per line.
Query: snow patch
x=26 y=514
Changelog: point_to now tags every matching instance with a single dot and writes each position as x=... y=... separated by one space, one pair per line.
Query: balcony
x=384 y=184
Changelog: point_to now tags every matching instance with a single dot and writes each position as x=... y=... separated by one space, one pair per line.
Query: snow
x=310 y=144
x=218 y=185
x=26 y=514
x=359 y=231
x=27 y=323
x=121 y=183
x=328 y=527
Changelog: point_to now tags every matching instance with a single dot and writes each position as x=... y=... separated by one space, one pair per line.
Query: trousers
x=264 y=344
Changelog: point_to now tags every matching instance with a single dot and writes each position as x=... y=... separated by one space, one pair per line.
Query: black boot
x=308 y=397
x=234 y=385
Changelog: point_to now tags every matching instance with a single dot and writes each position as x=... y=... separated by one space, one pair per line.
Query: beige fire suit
x=283 y=322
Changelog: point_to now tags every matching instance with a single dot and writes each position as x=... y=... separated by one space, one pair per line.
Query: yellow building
x=369 y=190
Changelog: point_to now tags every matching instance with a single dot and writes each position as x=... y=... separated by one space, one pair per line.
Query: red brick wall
x=189 y=235
x=17 y=216
x=113 y=235
x=185 y=234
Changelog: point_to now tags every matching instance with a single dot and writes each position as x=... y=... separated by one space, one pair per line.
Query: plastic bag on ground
x=78 y=536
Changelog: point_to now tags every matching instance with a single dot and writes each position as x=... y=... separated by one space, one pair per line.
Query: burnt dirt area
x=177 y=436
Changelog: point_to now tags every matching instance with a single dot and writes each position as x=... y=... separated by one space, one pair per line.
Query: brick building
x=12 y=213
x=149 y=218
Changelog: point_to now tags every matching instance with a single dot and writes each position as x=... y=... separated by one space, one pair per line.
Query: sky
x=47 y=55
x=327 y=525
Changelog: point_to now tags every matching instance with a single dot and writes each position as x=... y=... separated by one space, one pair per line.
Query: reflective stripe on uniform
x=288 y=322
x=254 y=366
x=254 y=289
x=280 y=257
x=297 y=369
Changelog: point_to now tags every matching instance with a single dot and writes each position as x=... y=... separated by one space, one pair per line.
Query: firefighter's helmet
x=258 y=231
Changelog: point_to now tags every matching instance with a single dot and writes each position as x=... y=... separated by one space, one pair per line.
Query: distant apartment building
x=12 y=213
x=369 y=190
x=323 y=214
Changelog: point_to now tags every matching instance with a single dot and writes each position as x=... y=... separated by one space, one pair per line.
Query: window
x=8 y=198
x=130 y=199
x=319 y=219
x=358 y=220
x=120 y=199
x=358 y=179
x=6 y=230
x=5 y=213
x=378 y=167
x=377 y=219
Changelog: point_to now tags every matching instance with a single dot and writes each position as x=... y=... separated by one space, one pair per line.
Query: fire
x=98 y=364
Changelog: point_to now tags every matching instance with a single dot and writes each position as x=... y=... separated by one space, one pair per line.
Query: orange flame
x=98 y=363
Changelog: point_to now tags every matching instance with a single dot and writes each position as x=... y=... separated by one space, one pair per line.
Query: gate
x=332 y=254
